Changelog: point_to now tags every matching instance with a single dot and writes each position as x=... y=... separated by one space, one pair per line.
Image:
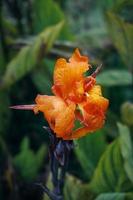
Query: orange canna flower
x=76 y=98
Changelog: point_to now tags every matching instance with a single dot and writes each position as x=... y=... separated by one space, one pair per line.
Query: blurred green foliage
x=27 y=162
x=32 y=35
x=30 y=55
x=89 y=150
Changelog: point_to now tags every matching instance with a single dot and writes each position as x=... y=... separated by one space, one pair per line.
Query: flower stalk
x=59 y=151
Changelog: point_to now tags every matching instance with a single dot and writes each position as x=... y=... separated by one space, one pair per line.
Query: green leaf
x=46 y=13
x=110 y=174
x=127 y=113
x=115 y=196
x=122 y=36
x=126 y=149
x=74 y=189
x=29 y=162
x=89 y=150
x=110 y=78
x=30 y=56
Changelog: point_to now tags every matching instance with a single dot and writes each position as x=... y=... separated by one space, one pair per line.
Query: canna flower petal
x=59 y=115
x=96 y=96
x=69 y=77
x=76 y=57
x=96 y=90
x=65 y=121
x=93 y=109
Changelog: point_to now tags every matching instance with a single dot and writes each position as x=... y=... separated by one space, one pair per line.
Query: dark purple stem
x=59 y=157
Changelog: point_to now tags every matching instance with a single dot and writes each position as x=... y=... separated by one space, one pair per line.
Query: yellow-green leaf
x=117 y=77
x=110 y=175
x=89 y=150
x=127 y=113
x=121 y=33
x=126 y=149
x=30 y=56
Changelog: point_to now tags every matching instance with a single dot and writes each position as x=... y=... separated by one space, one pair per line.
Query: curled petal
x=93 y=111
x=69 y=76
x=96 y=90
x=51 y=106
x=76 y=57
x=95 y=103
x=65 y=121
x=59 y=115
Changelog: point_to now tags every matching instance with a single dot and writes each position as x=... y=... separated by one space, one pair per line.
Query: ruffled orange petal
x=77 y=57
x=93 y=110
x=68 y=76
x=96 y=97
x=72 y=70
x=65 y=121
x=96 y=90
x=51 y=106
x=59 y=115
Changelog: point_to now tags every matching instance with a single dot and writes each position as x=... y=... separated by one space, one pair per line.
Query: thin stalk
x=59 y=157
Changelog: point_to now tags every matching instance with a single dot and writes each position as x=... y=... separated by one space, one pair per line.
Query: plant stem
x=59 y=151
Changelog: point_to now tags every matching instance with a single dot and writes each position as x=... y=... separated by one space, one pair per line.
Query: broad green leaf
x=30 y=56
x=88 y=151
x=127 y=113
x=126 y=149
x=110 y=175
x=115 y=196
x=46 y=13
x=5 y=113
x=74 y=189
x=28 y=162
x=110 y=78
x=111 y=196
x=122 y=36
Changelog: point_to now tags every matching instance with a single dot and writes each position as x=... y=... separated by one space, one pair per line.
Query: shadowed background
x=33 y=34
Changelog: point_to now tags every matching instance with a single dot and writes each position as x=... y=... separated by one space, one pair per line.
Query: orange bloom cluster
x=76 y=97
